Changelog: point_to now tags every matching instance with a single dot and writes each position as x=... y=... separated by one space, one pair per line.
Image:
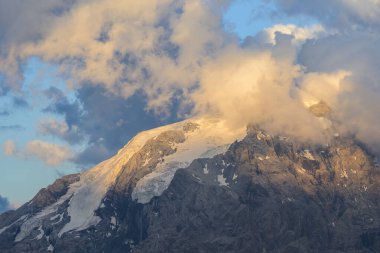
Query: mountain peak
x=204 y=186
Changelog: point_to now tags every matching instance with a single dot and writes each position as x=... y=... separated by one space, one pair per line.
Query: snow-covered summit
x=199 y=138
x=204 y=137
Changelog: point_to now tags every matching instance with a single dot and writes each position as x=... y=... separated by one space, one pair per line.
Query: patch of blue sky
x=38 y=76
x=21 y=178
x=248 y=17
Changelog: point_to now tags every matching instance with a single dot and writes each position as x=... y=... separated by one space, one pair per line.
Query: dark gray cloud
x=105 y=121
x=4 y=204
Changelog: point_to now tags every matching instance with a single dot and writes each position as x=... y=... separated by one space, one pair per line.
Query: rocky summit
x=198 y=186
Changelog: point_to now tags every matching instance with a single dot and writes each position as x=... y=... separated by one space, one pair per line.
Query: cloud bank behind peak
x=178 y=55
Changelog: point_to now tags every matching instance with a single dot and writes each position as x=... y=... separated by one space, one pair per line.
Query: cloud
x=51 y=154
x=132 y=45
x=343 y=15
x=9 y=148
x=4 y=204
x=299 y=34
x=60 y=129
x=263 y=95
x=128 y=59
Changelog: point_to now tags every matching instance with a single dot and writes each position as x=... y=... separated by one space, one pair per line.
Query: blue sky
x=247 y=18
x=21 y=178
x=88 y=87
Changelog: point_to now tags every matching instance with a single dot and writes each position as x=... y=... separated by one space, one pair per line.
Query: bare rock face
x=265 y=194
x=268 y=195
x=145 y=160
x=320 y=110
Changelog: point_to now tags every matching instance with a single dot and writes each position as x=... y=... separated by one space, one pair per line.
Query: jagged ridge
x=262 y=194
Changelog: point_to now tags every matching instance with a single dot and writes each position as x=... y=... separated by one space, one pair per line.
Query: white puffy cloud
x=155 y=46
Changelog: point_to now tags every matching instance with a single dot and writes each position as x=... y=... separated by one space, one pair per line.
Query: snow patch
x=36 y=220
x=40 y=235
x=146 y=162
x=344 y=174
x=55 y=217
x=222 y=180
x=59 y=220
x=234 y=177
x=205 y=169
x=113 y=221
x=5 y=228
x=211 y=138
x=50 y=248
x=308 y=155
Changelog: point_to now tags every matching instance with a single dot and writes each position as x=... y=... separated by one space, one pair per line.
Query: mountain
x=198 y=186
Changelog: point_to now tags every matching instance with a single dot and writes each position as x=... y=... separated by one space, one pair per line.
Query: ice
x=94 y=183
x=85 y=196
x=211 y=138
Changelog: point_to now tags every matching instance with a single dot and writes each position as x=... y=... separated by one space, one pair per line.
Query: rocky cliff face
x=197 y=187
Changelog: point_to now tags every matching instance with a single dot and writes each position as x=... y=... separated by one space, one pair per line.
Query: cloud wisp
x=166 y=49
x=49 y=153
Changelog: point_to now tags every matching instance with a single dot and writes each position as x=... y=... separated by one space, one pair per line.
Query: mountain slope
x=197 y=186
